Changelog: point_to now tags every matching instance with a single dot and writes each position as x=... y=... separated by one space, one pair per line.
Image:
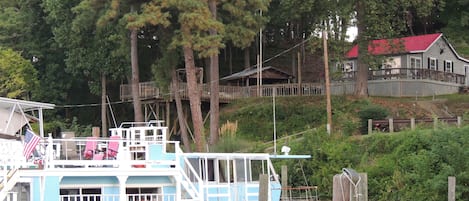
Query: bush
x=371 y=112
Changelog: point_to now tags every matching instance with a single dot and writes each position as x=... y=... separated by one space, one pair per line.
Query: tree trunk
x=214 y=85
x=138 y=114
x=103 y=106
x=361 y=83
x=194 y=96
x=247 y=62
x=180 y=112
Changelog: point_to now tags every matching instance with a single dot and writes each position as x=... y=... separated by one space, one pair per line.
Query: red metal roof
x=397 y=45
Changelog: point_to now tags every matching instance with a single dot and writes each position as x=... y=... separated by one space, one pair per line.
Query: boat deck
x=135 y=156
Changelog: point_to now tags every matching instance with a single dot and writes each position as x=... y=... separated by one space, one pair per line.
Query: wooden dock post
x=343 y=189
x=340 y=188
x=264 y=187
x=459 y=121
x=412 y=123
x=451 y=188
x=391 y=125
x=284 y=182
x=370 y=126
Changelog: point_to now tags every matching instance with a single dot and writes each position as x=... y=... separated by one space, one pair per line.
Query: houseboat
x=135 y=162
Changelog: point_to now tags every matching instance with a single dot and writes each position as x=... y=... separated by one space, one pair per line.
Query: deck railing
x=69 y=153
x=407 y=73
x=148 y=90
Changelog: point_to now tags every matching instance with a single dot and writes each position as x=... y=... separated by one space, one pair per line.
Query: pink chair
x=90 y=147
x=98 y=156
x=113 y=147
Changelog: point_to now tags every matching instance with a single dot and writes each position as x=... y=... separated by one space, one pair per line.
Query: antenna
x=112 y=112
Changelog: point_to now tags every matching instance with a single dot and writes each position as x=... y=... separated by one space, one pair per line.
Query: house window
x=432 y=64
x=415 y=62
x=348 y=67
x=448 y=66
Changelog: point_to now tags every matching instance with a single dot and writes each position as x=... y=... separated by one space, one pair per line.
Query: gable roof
x=252 y=73
x=411 y=44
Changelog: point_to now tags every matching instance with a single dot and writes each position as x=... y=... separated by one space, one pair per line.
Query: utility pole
x=328 y=90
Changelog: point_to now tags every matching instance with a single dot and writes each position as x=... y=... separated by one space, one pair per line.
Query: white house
x=428 y=56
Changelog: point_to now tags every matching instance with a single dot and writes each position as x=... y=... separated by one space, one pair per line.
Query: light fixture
x=285 y=150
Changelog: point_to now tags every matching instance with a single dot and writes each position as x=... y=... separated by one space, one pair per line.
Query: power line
x=91 y=104
x=129 y=101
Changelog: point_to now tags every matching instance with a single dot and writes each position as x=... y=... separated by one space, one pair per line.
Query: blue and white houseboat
x=136 y=162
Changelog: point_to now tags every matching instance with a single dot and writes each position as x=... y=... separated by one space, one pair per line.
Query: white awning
x=14 y=114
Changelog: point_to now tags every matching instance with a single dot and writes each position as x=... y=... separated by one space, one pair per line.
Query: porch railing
x=148 y=90
x=407 y=73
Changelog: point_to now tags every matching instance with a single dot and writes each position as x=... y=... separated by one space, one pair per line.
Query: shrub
x=371 y=112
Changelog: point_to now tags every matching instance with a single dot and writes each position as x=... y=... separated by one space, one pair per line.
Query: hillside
x=296 y=114
x=407 y=165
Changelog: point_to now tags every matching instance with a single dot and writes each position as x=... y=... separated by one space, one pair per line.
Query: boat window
x=208 y=171
x=225 y=171
x=204 y=168
x=257 y=168
x=143 y=194
x=242 y=170
x=82 y=194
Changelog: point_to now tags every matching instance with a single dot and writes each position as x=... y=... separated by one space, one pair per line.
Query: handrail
x=194 y=173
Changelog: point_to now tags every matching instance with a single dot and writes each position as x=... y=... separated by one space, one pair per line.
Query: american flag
x=31 y=140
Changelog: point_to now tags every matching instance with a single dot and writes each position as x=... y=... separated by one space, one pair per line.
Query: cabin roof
x=252 y=73
x=410 y=44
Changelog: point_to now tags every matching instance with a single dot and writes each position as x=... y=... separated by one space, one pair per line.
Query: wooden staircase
x=8 y=182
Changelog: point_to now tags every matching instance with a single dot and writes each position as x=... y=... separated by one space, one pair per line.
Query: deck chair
x=113 y=147
x=90 y=147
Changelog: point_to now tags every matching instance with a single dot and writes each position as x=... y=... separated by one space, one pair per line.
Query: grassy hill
x=408 y=165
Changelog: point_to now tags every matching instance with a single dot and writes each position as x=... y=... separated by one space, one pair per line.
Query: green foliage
x=371 y=112
x=231 y=144
x=73 y=125
x=242 y=20
x=411 y=165
x=255 y=120
x=17 y=75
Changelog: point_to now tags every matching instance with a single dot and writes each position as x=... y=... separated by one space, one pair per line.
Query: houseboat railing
x=69 y=153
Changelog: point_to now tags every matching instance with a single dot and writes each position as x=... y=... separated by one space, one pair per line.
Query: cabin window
x=206 y=168
x=225 y=171
x=432 y=64
x=243 y=172
x=415 y=62
x=448 y=66
x=143 y=194
x=86 y=194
